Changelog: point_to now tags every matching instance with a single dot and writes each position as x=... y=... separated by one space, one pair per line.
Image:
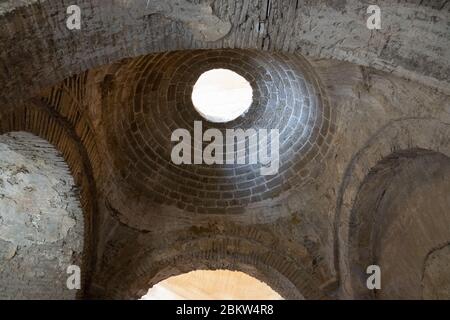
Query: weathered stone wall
x=41 y=222
x=302 y=225
x=69 y=132
x=38 y=50
x=139 y=102
x=435 y=277
x=378 y=115
x=147 y=222
x=399 y=219
x=296 y=243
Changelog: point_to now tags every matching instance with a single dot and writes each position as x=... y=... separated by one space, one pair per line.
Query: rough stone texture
x=289 y=244
x=420 y=123
x=435 y=279
x=300 y=241
x=38 y=50
x=77 y=148
x=296 y=245
x=400 y=215
x=41 y=223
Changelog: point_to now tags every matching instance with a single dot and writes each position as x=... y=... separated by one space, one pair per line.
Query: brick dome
x=150 y=97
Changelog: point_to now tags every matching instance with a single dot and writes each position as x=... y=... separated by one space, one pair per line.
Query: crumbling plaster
x=41 y=222
x=38 y=50
x=297 y=243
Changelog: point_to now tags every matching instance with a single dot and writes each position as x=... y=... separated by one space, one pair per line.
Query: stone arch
x=36 y=118
x=400 y=216
x=278 y=271
x=134 y=263
x=184 y=264
x=396 y=137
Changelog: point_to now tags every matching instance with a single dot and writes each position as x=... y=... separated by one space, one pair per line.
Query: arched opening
x=134 y=277
x=400 y=222
x=221 y=95
x=211 y=285
x=41 y=220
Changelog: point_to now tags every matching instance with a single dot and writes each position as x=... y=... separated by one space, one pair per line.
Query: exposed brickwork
x=150 y=97
x=37 y=118
x=146 y=219
x=248 y=249
x=297 y=229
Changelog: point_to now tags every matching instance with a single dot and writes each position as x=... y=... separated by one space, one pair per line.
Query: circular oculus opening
x=221 y=95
